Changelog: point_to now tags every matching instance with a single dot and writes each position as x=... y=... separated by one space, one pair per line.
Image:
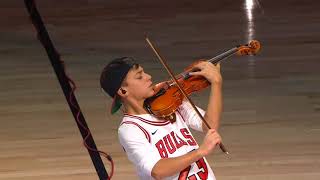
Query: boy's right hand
x=210 y=141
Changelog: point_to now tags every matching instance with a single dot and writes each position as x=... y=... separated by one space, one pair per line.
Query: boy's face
x=138 y=84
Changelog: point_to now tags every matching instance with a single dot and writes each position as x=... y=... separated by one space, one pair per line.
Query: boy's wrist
x=199 y=153
x=216 y=86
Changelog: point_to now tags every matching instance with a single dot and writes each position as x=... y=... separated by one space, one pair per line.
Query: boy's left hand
x=209 y=71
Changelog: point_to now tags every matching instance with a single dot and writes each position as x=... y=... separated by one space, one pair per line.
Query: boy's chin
x=152 y=93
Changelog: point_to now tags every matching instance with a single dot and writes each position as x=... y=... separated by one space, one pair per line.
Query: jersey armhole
x=147 y=135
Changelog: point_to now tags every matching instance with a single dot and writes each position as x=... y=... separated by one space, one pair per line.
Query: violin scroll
x=252 y=48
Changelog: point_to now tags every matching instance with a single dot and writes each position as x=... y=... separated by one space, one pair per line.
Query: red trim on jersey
x=142 y=129
x=155 y=123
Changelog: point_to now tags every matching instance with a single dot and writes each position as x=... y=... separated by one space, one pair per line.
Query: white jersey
x=147 y=139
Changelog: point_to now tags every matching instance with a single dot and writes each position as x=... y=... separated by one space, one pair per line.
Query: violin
x=168 y=97
x=170 y=94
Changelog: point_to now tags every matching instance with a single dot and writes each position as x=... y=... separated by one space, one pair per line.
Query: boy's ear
x=122 y=92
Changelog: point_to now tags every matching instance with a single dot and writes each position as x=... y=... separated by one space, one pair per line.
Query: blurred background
x=271 y=117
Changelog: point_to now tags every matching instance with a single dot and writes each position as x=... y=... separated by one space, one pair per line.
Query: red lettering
x=204 y=173
x=161 y=149
x=184 y=173
x=171 y=142
x=179 y=143
x=186 y=134
x=167 y=140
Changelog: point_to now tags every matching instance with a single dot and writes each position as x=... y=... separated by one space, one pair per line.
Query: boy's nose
x=149 y=77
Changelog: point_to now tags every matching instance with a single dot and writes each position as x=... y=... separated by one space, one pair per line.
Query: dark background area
x=271 y=115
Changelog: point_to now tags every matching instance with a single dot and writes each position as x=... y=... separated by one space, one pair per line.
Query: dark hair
x=113 y=75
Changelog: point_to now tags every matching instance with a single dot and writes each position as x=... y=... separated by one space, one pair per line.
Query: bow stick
x=222 y=147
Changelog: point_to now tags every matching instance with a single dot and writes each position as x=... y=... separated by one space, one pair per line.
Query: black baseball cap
x=112 y=76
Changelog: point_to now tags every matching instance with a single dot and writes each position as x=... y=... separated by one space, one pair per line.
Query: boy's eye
x=139 y=77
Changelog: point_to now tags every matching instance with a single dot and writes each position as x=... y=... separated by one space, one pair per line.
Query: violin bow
x=164 y=63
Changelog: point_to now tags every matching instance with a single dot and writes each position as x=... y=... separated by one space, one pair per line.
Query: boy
x=161 y=149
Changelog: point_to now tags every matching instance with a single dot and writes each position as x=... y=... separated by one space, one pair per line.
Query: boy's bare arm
x=212 y=73
x=214 y=109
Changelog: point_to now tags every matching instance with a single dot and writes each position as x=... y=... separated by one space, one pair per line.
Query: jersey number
x=202 y=174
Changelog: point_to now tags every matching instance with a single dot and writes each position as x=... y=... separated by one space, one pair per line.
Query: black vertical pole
x=64 y=83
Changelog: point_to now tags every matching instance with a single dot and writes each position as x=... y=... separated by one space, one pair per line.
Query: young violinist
x=161 y=149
